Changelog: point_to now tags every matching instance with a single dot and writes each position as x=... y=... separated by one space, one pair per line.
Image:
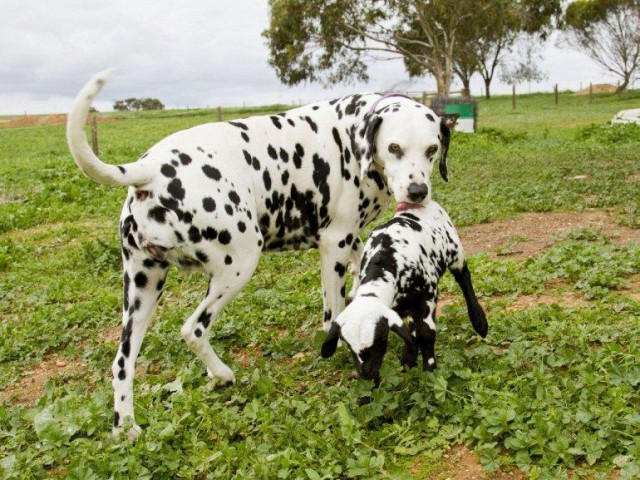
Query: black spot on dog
x=239 y=125
x=229 y=209
x=244 y=136
x=311 y=123
x=140 y=280
x=285 y=177
x=209 y=204
x=228 y=260
x=241 y=227
x=234 y=197
x=256 y=163
x=276 y=122
x=272 y=152
x=430 y=117
x=204 y=319
x=224 y=237
x=211 y=172
x=158 y=214
x=194 y=234
x=198 y=332
x=209 y=233
x=284 y=156
x=122 y=169
x=247 y=157
x=266 y=178
x=200 y=255
x=168 y=171
x=186 y=159
x=175 y=189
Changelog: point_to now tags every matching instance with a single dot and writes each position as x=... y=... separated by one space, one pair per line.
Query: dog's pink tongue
x=402 y=206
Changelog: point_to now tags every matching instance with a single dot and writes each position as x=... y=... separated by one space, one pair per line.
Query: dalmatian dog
x=214 y=196
x=402 y=264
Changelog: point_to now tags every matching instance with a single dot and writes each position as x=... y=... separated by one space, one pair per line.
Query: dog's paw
x=224 y=375
x=118 y=433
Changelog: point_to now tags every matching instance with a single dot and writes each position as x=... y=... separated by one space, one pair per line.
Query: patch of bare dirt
x=463 y=464
x=529 y=234
x=597 y=88
x=34 y=120
x=571 y=300
x=30 y=386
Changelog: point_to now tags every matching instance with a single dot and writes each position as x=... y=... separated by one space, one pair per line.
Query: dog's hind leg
x=224 y=284
x=143 y=281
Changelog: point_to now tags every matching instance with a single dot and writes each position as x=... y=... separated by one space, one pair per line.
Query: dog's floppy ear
x=445 y=133
x=372 y=124
x=331 y=341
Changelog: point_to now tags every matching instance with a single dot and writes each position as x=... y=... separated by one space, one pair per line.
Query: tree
x=524 y=68
x=136 y=104
x=608 y=32
x=495 y=30
x=331 y=40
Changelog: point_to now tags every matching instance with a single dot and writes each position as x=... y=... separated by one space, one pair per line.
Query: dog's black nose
x=417 y=192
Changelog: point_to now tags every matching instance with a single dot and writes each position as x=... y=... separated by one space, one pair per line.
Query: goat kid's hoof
x=117 y=433
x=429 y=365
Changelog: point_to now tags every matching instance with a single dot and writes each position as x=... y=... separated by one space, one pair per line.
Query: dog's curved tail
x=89 y=163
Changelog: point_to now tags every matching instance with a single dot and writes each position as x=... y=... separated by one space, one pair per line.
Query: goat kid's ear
x=403 y=333
x=397 y=326
x=331 y=341
x=371 y=129
x=445 y=134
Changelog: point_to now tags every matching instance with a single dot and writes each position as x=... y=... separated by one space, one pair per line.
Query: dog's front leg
x=355 y=260
x=333 y=264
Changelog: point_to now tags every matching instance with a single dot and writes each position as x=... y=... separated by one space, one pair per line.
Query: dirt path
x=529 y=234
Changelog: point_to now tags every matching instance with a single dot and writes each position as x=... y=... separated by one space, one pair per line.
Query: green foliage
x=617 y=133
x=552 y=389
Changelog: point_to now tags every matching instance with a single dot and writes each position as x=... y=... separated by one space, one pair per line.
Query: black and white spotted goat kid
x=214 y=196
x=402 y=264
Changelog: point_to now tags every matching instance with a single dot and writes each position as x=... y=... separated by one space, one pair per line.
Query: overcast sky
x=191 y=53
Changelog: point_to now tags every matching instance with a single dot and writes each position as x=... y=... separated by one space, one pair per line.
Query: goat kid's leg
x=426 y=336
x=476 y=313
x=143 y=280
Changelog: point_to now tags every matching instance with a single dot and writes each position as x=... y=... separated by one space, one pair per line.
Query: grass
x=552 y=391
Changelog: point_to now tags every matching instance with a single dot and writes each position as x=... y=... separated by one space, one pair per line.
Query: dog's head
x=404 y=138
x=364 y=327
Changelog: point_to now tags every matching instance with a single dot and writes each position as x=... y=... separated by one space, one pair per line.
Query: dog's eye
x=431 y=151
x=395 y=148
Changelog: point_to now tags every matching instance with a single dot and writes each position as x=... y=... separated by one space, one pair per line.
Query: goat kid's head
x=365 y=331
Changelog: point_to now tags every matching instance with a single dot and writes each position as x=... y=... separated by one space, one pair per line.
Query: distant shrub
x=607 y=133
x=137 y=104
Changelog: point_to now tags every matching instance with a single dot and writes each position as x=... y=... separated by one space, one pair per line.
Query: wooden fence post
x=424 y=98
x=513 y=97
x=94 y=135
x=591 y=93
x=555 y=90
x=219 y=110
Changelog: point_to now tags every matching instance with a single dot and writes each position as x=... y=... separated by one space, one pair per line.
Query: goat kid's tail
x=89 y=163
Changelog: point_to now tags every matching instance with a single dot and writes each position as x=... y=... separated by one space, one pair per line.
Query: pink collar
x=385 y=96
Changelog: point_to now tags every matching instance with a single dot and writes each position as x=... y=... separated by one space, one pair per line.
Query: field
x=547 y=200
